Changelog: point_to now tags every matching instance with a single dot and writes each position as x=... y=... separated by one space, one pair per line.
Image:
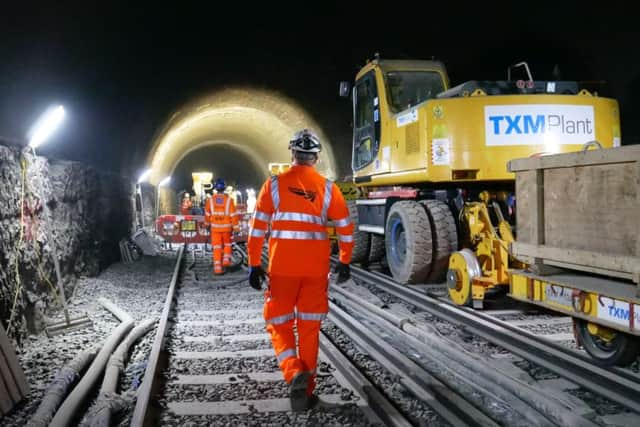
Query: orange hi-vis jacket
x=298 y=205
x=220 y=212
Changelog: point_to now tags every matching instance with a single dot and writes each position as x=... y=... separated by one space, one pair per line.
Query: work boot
x=298 y=391
x=312 y=401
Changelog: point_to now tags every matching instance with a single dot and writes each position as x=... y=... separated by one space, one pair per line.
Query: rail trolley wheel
x=607 y=346
x=463 y=267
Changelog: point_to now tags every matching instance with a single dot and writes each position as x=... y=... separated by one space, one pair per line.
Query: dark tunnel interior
x=224 y=161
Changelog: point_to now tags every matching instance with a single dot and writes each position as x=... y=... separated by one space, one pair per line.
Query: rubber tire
x=416 y=263
x=377 y=250
x=627 y=347
x=445 y=238
x=361 y=239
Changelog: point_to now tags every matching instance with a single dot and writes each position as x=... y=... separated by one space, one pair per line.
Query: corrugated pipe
x=59 y=387
x=69 y=408
x=108 y=399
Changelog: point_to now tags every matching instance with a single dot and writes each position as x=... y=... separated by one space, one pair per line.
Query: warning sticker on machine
x=547 y=124
x=619 y=312
x=558 y=295
x=407 y=118
x=440 y=152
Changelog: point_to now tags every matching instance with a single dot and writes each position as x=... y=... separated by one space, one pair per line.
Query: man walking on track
x=298 y=204
x=220 y=213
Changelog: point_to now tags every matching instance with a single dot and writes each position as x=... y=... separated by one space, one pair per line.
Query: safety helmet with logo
x=219 y=185
x=305 y=141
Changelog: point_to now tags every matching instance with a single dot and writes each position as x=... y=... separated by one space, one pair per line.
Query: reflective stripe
x=328 y=186
x=341 y=222
x=220 y=225
x=275 y=195
x=299 y=217
x=227 y=244
x=345 y=238
x=217 y=246
x=312 y=316
x=261 y=216
x=279 y=320
x=227 y=206
x=291 y=352
x=257 y=233
x=299 y=235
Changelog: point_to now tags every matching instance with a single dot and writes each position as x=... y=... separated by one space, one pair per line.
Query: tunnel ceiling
x=256 y=122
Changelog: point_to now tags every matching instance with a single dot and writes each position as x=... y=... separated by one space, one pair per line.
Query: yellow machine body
x=485 y=265
x=472 y=136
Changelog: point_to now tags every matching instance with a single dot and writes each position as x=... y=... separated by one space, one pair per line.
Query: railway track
x=217 y=366
x=616 y=384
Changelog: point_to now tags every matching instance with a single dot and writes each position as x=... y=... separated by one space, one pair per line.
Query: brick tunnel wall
x=70 y=210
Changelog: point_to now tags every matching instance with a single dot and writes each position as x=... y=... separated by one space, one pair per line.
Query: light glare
x=144 y=176
x=46 y=125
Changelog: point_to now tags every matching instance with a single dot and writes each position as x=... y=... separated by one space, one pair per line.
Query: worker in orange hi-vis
x=297 y=204
x=220 y=213
x=185 y=208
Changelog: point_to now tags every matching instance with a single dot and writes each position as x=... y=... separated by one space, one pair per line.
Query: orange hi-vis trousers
x=221 y=245
x=302 y=301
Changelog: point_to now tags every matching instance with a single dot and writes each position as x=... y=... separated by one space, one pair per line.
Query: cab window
x=366 y=121
x=409 y=88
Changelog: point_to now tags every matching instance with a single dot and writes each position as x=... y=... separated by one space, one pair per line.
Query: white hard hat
x=305 y=141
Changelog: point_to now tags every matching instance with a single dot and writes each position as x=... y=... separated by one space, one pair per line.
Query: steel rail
x=450 y=406
x=377 y=403
x=615 y=384
x=144 y=392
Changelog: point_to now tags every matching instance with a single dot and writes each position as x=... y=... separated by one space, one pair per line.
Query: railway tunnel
x=233 y=133
x=107 y=321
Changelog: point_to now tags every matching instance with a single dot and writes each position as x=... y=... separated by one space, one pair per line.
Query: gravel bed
x=186 y=315
x=187 y=305
x=180 y=330
x=222 y=366
x=348 y=415
x=418 y=412
x=138 y=288
x=222 y=346
x=601 y=405
x=244 y=388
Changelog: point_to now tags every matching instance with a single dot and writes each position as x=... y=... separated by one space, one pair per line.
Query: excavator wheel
x=606 y=346
x=377 y=250
x=408 y=242
x=463 y=267
x=445 y=238
x=361 y=239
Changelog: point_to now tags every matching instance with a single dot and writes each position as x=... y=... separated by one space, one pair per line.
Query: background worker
x=298 y=203
x=220 y=213
x=185 y=207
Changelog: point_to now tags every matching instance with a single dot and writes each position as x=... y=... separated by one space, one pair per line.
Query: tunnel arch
x=258 y=122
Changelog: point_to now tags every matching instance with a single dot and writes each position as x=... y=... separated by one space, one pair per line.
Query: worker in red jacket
x=297 y=204
x=185 y=207
x=220 y=213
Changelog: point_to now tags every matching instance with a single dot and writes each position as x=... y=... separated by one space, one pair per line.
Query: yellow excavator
x=430 y=163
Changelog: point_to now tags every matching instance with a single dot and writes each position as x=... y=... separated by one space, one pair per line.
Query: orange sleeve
x=235 y=219
x=259 y=224
x=207 y=210
x=339 y=214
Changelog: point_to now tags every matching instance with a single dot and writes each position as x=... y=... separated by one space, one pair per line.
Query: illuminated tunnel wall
x=256 y=122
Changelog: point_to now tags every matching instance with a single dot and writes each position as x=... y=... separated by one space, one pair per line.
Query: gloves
x=343 y=271
x=256 y=277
